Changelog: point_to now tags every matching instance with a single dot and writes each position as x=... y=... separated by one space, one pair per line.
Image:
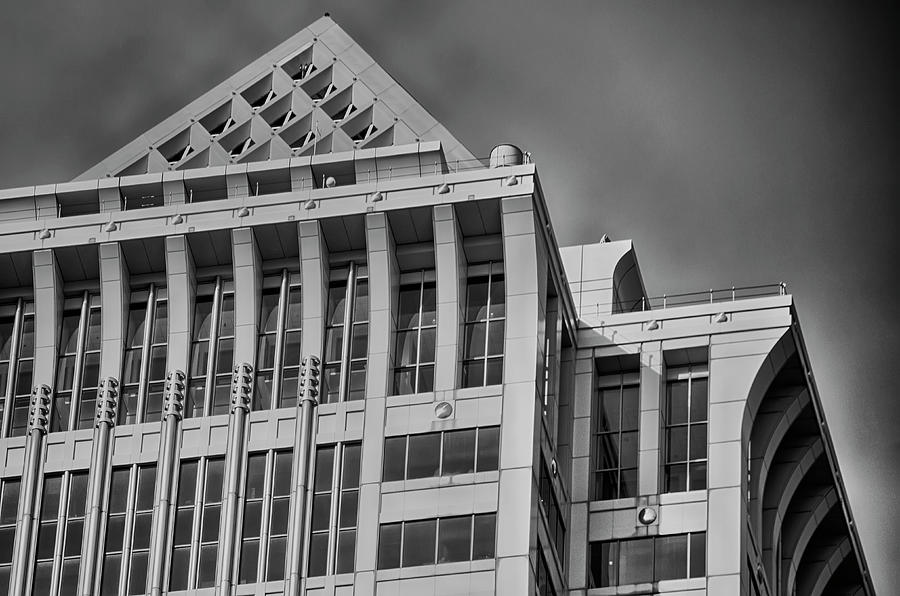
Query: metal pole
x=241 y=388
x=168 y=453
x=304 y=438
x=107 y=404
x=31 y=476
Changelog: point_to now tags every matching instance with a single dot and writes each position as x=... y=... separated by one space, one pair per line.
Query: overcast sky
x=736 y=144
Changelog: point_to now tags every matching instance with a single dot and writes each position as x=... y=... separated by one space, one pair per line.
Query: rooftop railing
x=710 y=296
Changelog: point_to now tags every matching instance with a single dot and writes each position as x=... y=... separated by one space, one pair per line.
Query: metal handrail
x=711 y=296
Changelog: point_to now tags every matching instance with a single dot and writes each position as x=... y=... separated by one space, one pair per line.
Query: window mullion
x=213 y=348
x=145 y=357
x=75 y=400
x=278 y=373
x=10 y=388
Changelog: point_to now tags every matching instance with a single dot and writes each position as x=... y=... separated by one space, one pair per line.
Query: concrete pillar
x=652 y=384
x=247 y=291
x=525 y=269
x=173 y=412
x=314 y=285
x=182 y=288
x=48 y=306
x=450 y=271
x=38 y=424
x=101 y=453
x=235 y=462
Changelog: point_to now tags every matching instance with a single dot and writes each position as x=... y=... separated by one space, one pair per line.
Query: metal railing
x=711 y=296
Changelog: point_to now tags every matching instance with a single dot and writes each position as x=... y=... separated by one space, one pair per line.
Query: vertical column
x=48 y=304
x=384 y=280
x=526 y=275
x=235 y=461
x=247 y=290
x=114 y=296
x=39 y=419
x=314 y=285
x=450 y=270
x=582 y=475
x=652 y=378
x=173 y=412
x=182 y=288
x=304 y=441
x=107 y=405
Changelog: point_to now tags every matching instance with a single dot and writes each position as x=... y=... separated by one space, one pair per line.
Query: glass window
x=146 y=344
x=415 y=340
x=645 y=560
x=424 y=458
x=685 y=429
x=115 y=531
x=340 y=341
x=212 y=347
x=418 y=542
x=458 y=452
x=484 y=331
x=441 y=454
x=335 y=487
x=454 y=539
x=389 y=537
x=615 y=445
x=9 y=503
x=443 y=540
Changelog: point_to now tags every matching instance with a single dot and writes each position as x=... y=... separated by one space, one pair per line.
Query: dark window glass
x=454 y=539
x=394 y=458
x=418 y=542
x=459 y=452
x=389 y=546
x=635 y=561
x=424 y=456
x=488 y=449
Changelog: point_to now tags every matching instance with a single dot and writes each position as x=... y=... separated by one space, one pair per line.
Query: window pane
x=484 y=536
x=476 y=298
x=225 y=356
x=454 y=539
x=42 y=574
x=9 y=501
x=425 y=379
x=698 y=554
x=207 y=573
x=252 y=519
x=671 y=557
x=361 y=301
x=459 y=452
x=418 y=542
x=345 y=551
x=408 y=310
x=226 y=317
x=495 y=338
x=429 y=304
x=136 y=317
x=50 y=497
x=157 y=363
x=488 y=449
x=628 y=483
x=118 y=494
x=282 y=484
x=631 y=406
x=473 y=373
x=92 y=341
x=474 y=345
x=676 y=444
x=494 y=373
x=289 y=388
x=676 y=478
x=677 y=402
x=498 y=296
x=424 y=456
x=210 y=530
x=604 y=564
x=294 y=311
x=404 y=381
x=698 y=441
x=699 y=390
x=697 y=476
x=334 y=336
x=360 y=344
x=249 y=559
x=161 y=323
x=349 y=505
x=394 y=458
x=292 y=348
x=636 y=561
x=187 y=483
x=146 y=482
x=178 y=572
x=629 y=450
x=324 y=464
x=69 y=576
x=138 y=580
x=143 y=522
x=336 y=294
x=184 y=521
x=280 y=513
x=607 y=451
x=202 y=317
x=426 y=349
x=268 y=311
x=109 y=585
x=389 y=546
x=321 y=512
x=74 y=531
x=406 y=350
x=275 y=564
x=350 y=473
x=357 y=381
x=91 y=372
x=262 y=392
x=318 y=554
x=215 y=471
x=199 y=356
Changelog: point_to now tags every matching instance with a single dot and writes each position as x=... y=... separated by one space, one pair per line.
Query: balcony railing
x=710 y=296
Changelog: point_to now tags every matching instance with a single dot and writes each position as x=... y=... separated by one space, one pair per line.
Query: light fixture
x=44 y=234
x=377 y=197
x=443 y=189
x=511 y=181
x=111 y=227
x=647 y=516
x=243 y=212
x=330 y=182
x=309 y=204
x=721 y=318
x=443 y=410
x=653 y=325
x=178 y=219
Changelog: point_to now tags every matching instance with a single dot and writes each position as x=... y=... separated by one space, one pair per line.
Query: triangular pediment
x=318 y=92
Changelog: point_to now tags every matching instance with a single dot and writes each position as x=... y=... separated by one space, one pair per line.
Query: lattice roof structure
x=318 y=92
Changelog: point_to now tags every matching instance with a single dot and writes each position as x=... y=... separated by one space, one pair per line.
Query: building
x=496 y=414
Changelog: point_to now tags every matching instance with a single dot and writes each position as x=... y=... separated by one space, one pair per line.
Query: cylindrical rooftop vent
x=506 y=155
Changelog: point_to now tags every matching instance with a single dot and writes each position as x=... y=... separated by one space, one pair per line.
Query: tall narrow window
x=119 y=497
x=9 y=507
x=484 y=329
x=78 y=364
x=416 y=328
x=20 y=381
x=346 y=337
x=615 y=448
x=196 y=532
x=685 y=446
x=141 y=528
x=90 y=375
x=8 y=320
x=278 y=353
x=60 y=530
x=145 y=356
x=266 y=504
x=335 y=507
x=212 y=350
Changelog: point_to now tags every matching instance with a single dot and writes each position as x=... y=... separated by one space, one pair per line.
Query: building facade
x=494 y=414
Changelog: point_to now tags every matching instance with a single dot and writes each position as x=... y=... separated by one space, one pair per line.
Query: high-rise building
x=297 y=339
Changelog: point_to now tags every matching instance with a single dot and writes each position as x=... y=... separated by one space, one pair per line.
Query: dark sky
x=736 y=144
